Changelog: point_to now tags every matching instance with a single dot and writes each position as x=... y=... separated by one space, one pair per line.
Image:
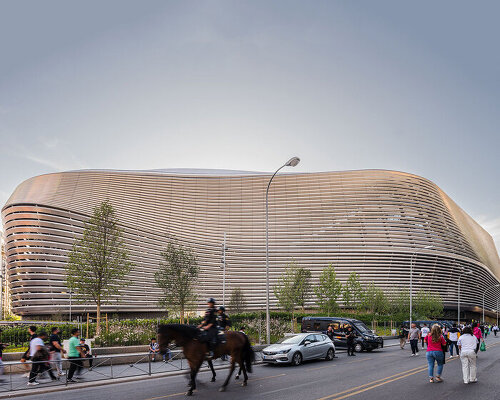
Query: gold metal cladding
x=368 y=221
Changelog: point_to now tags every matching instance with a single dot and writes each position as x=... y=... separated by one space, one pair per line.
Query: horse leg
x=231 y=370
x=245 y=376
x=192 y=381
x=211 y=365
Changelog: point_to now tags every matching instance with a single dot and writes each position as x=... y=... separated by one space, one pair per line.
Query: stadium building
x=373 y=222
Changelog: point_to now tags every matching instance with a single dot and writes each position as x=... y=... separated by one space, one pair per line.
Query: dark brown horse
x=188 y=337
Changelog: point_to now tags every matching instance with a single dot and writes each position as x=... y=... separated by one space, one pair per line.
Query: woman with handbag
x=435 y=352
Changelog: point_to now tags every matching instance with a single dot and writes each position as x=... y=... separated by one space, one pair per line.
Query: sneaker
x=413 y=355
x=33 y=383
x=416 y=354
x=451 y=356
x=71 y=380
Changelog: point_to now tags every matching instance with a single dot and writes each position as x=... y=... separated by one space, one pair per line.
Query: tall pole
x=224 y=271
x=484 y=294
x=70 y=292
x=413 y=258
x=498 y=304
x=290 y=163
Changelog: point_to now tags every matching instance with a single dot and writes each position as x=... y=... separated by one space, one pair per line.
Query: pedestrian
x=26 y=355
x=403 y=335
x=495 y=330
x=154 y=349
x=86 y=352
x=56 y=350
x=435 y=352
x=478 y=334
x=329 y=332
x=453 y=336
x=2 y=347
x=39 y=357
x=423 y=334
x=350 y=338
x=414 y=337
x=74 y=355
x=467 y=345
x=486 y=331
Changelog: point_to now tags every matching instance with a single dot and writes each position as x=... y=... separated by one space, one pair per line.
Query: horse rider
x=209 y=325
x=223 y=322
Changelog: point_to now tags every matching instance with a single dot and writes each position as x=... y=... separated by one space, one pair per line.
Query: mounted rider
x=223 y=321
x=209 y=325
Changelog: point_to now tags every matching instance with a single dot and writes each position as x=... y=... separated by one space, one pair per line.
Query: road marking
x=369 y=383
x=266 y=377
x=166 y=396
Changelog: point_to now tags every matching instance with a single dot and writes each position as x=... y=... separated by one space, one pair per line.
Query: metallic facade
x=369 y=221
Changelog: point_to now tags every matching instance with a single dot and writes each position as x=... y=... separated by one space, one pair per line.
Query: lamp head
x=292 y=162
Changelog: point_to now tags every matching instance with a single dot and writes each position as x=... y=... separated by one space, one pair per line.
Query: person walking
x=329 y=332
x=453 y=336
x=467 y=345
x=350 y=338
x=423 y=334
x=435 y=354
x=39 y=355
x=403 y=335
x=26 y=355
x=414 y=337
x=495 y=330
x=74 y=356
x=478 y=334
x=56 y=350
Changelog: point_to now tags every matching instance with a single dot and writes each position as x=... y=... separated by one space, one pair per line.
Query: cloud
x=55 y=165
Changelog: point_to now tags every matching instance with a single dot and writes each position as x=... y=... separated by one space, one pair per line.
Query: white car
x=297 y=348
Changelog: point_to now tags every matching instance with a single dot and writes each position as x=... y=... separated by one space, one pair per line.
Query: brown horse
x=188 y=337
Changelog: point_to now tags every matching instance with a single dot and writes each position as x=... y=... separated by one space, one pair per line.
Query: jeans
x=75 y=365
x=435 y=356
x=468 y=359
x=56 y=357
x=453 y=344
x=414 y=346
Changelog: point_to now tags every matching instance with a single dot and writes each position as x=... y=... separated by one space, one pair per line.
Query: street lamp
x=411 y=275
x=484 y=293
x=292 y=162
x=469 y=272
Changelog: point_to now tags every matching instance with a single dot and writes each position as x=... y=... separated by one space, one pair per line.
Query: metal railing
x=103 y=367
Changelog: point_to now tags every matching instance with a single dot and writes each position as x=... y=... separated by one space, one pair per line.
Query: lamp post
x=292 y=162
x=411 y=276
x=70 y=292
x=484 y=293
x=469 y=272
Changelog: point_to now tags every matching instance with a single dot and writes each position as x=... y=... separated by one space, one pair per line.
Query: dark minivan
x=365 y=338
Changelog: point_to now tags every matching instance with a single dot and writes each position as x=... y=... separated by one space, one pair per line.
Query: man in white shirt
x=423 y=334
x=39 y=354
x=467 y=344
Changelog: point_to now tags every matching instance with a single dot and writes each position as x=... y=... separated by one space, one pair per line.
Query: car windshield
x=291 y=340
x=362 y=327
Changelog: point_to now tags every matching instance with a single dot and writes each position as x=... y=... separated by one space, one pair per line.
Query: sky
x=245 y=85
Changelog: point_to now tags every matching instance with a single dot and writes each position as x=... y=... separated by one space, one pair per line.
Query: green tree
x=99 y=261
x=428 y=305
x=177 y=277
x=328 y=291
x=400 y=305
x=293 y=288
x=352 y=291
x=374 y=300
x=237 y=302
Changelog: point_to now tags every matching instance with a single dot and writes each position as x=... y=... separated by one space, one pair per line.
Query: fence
x=103 y=367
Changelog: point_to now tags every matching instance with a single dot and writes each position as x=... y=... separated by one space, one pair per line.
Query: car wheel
x=358 y=348
x=297 y=359
x=330 y=355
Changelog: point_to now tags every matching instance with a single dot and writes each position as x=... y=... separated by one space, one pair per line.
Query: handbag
x=483 y=346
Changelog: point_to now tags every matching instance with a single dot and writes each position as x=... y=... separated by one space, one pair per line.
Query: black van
x=429 y=323
x=365 y=340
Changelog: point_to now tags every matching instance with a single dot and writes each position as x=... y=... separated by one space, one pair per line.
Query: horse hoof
x=212 y=380
x=222 y=389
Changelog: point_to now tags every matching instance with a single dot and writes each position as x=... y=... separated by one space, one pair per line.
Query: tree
x=400 y=306
x=177 y=276
x=428 y=305
x=99 y=261
x=293 y=288
x=237 y=302
x=328 y=291
x=374 y=300
x=352 y=291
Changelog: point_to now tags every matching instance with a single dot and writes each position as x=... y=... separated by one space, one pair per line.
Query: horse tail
x=248 y=354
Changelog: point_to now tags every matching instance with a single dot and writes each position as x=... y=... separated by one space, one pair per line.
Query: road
x=388 y=373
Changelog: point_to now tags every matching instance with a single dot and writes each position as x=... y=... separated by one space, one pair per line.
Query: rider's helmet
x=211 y=300
x=222 y=308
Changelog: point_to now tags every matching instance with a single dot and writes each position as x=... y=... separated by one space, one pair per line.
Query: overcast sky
x=410 y=86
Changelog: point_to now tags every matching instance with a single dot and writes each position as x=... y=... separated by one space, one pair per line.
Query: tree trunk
x=182 y=316
x=98 y=324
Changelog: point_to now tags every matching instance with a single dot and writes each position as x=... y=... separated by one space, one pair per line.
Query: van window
x=317 y=326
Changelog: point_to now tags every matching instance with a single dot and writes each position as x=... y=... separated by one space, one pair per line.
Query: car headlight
x=284 y=351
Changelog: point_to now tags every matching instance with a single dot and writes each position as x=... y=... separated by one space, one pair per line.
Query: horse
x=237 y=346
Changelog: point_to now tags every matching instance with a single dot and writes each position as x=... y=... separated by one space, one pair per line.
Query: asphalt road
x=389 y=373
